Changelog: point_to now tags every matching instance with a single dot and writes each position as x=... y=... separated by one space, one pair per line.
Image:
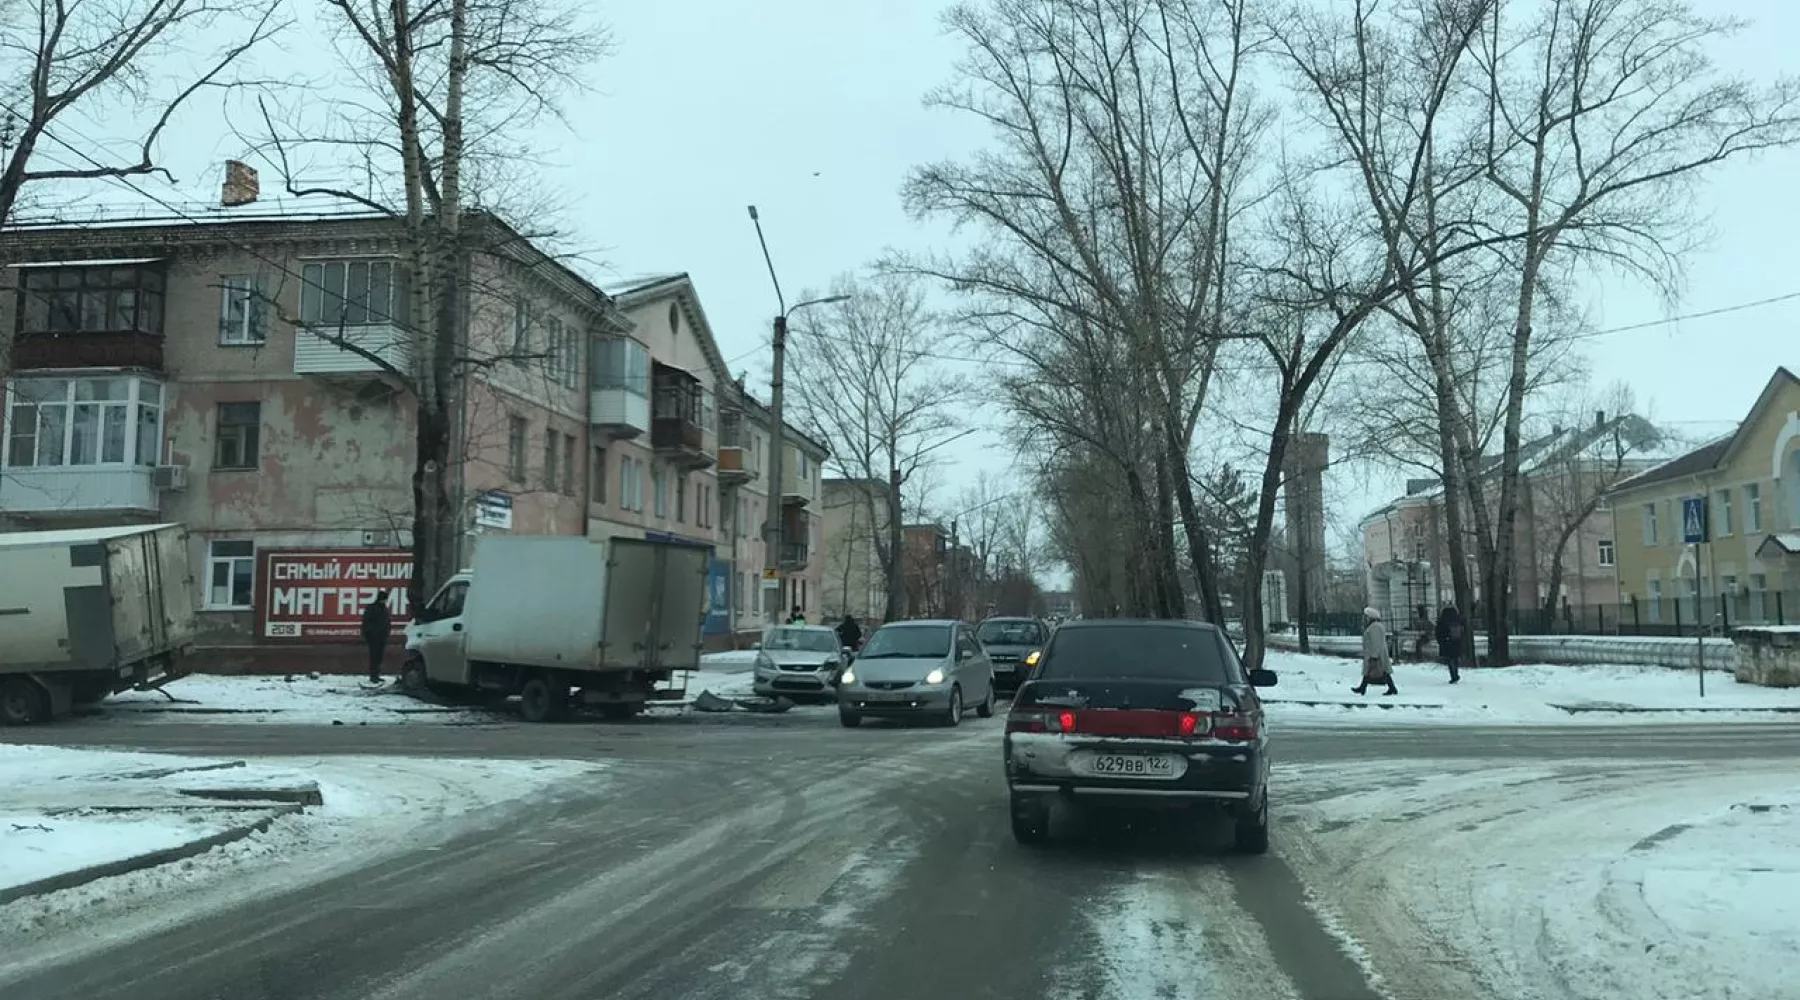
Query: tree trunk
x=1174 y=596
x=1455 y=540
x=1257 y=550
x=896 y=583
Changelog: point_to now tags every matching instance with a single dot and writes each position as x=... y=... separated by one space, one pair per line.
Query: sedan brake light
x=1236 y=728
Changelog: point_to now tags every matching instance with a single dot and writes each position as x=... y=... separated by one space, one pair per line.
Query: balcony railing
x=127 y=349
x=324 y=352
x=83 y=489
x=735 y=465
x=793 y=555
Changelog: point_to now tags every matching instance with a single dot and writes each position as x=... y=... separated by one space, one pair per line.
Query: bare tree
x=866 y=378
x=1601 y=117
x=1123 y=135
x=452 y=88
x=66 y=61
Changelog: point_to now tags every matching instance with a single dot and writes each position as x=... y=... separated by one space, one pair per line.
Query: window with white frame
x=621 y=363
x=631 y=483
x=59 y=422
x=659 y=488
x=1605 y=552
x=1653 y=598
x=1650 y=524
x=243 y=310
x=354 y=293
x=230 y=575
x=1752 y=508
x=1759 y=602
x=1721 y=526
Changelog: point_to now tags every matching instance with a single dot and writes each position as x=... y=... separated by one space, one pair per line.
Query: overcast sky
x=811 y=110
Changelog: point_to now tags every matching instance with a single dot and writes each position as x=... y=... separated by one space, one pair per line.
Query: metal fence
x=1669 y=616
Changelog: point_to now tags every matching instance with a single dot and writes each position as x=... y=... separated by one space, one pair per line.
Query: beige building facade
x=1748 y=484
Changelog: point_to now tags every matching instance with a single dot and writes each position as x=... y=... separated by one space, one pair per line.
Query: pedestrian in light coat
x=1377 y=667
x=376 y=623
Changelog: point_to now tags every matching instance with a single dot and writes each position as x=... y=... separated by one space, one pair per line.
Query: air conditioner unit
x=169 y=478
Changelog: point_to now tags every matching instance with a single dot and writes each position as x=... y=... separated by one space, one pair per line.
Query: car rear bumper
x=1052 y=764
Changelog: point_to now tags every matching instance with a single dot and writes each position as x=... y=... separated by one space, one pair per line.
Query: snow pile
x=371 y=805
x=1587 y=881
x=1316 y=690
x=304 y=699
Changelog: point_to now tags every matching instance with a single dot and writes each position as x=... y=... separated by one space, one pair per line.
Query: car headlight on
x=936 y=676
x=849 y=676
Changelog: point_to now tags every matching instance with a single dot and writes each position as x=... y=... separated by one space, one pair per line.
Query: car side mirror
x=1262 y=678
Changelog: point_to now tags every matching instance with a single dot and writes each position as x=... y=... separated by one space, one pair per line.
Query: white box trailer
x=87 y=612
x=539 y=616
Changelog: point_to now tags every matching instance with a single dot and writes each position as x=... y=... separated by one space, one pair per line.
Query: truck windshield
x=1136 y=652
x=926 y=642
x=1010 y=633
x=805 y=639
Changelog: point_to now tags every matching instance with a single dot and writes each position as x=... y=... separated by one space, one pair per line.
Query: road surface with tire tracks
x=784 y=857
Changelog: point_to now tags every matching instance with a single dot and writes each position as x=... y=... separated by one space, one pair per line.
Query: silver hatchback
x=918 y=669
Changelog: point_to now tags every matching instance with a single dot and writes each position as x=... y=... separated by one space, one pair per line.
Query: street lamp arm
x=827 y=300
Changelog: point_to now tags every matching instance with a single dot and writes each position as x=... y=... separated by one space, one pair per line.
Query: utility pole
x=772 y=521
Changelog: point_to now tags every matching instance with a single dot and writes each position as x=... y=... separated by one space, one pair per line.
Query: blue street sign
x=1693 y=520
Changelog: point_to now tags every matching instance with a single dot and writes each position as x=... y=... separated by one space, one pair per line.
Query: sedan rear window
x=1010 y=633
x=1147 y=653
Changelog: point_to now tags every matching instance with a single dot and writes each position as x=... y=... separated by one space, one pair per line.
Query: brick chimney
x=1599 y=420
x=240 y=186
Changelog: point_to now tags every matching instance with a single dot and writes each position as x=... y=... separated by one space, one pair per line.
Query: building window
x=1653 y=597
x=681 y=484
x=631 y=483
x=107 y=299
x=623 y=364
x=709 y=411
x=1650 y=524
x=83 y=422
x=516 y=430
x=552 y=447
x=1606 y=553
x=230 y=575
x=569 y=464
x=1752 y=508
x=1759 y=602
x=236 y=444
x=559 y=359
x=346 y=293
x=243 y=310
x=521 y=334
x=1721 y=526
x=659 y=489
x=597 y=475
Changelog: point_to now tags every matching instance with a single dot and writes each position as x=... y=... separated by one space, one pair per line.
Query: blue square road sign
x=1693 y=520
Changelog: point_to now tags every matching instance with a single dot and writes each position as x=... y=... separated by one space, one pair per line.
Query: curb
x=1637 y=710
x=82 y=876
x=1384 y=705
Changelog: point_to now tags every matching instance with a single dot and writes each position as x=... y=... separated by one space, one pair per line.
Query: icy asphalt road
x=784 y=857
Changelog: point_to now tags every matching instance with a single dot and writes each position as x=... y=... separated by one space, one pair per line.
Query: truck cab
x=436 y=640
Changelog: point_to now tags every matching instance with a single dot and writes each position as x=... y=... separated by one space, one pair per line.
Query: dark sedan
x=1140 y=713
x=1009 y=643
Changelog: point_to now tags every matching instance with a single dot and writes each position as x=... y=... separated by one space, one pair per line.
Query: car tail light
x=1041 y=722
x=1188 y=724
x=1228 y=726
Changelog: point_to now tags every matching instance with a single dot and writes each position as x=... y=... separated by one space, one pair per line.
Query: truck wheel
x=542 y=701
x=22 y=702
x=412 y=677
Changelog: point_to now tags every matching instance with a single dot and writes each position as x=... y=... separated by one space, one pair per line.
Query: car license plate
x=1133 y=765
x=889 y=696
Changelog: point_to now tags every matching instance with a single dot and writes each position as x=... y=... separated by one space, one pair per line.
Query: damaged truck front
x=556 y=619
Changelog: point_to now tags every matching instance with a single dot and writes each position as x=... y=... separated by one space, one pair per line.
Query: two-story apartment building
x=1564 y=536
x=1749 y=481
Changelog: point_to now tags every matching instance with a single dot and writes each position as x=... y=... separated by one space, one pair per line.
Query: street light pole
x=778 y=368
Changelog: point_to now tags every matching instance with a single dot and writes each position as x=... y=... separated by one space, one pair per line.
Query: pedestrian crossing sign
x=1693 y=520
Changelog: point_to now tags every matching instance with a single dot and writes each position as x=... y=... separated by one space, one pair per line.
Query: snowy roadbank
x=1315 y=690
x=1592 y=881
x=69 y=809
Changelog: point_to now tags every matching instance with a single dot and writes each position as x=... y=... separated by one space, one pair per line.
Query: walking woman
x=1377 y=667
x=1451 y=640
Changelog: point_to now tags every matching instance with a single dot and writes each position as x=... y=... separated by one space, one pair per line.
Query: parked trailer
x=88 y=612
x=540 y=616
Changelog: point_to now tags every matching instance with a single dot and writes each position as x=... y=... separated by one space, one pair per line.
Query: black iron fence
x=1670 y=616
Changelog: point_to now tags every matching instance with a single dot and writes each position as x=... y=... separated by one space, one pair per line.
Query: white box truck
x=89 y=611
x=543 y=616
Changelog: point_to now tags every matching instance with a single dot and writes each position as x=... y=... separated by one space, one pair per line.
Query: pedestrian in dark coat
x=1452 y=640
x=849 y=633
x=1378 y=667
x=377 y=622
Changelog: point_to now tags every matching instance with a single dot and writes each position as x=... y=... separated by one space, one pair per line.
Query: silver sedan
x=929 y=669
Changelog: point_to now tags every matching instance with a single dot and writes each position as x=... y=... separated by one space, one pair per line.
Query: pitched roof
x=1712 y=454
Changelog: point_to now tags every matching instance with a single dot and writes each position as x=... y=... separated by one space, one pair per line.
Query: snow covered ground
x=1588 y=881
x=54 y=819
x=302 y=698
x=1315 y=690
